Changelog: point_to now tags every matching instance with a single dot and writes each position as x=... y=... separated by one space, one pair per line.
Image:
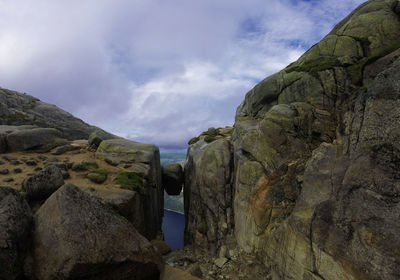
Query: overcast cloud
x=157 y=71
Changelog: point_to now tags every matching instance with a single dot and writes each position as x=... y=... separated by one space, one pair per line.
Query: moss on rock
x=132 y=181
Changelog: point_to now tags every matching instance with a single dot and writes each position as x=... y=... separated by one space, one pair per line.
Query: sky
x=155 y=71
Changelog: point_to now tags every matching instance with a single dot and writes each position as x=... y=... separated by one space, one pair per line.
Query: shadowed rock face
x=316 y=161
x=98 y=244
x=15 y=227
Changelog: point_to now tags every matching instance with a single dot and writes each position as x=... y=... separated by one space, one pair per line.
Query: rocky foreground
x=80 y=209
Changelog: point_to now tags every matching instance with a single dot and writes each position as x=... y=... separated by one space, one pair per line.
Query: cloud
x=155 y=71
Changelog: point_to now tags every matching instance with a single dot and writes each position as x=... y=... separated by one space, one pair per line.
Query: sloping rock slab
x=129 y=204
x=15 y=226
x=78 y=237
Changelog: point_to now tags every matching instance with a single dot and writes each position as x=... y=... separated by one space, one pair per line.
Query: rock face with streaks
x=208 y=192
x=316 y=157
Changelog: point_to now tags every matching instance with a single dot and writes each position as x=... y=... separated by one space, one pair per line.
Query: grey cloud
x=156 y=71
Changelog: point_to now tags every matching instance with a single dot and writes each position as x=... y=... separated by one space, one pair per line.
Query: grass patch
x=133 y=181
x=90 y=165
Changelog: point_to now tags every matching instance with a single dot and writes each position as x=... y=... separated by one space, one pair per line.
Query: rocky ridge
x=22 y=109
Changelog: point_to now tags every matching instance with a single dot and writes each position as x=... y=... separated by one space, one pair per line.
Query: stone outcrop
x=15 y=233
x=316 y=158
x=27 y=137
x=22 y=109
x=172 y=178
x=41 y=185
x=144 y=161
x=208 y=192
x=78 y=237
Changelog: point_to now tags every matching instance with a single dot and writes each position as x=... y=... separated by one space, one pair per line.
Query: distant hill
x=167 y=158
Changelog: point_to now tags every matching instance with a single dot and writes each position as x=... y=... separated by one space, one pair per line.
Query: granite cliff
x=314 y=185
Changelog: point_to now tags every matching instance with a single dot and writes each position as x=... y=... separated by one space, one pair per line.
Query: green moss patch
x=98 y=176
x=133 y=181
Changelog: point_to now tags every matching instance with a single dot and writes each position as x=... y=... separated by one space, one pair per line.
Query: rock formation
x=316 y=157
x=208 y=190
x=142 y=161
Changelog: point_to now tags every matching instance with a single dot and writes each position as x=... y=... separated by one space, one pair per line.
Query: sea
x=174 y=220
x=173 y=227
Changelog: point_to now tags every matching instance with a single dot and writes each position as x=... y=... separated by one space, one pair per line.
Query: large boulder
x=78 y=237
x=35 y=138
x=143 y=161
x=208 y=193
x=41 y=185
x=15 y=233
x=172 y=178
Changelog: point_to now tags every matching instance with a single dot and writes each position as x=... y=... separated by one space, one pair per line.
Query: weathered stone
x=17 y=170
x=161 y=246
x=15 y=227
x=97 y=136
x=208 y=194
x=316 y=156
x=4 y=171
x=43 y=184
x=172 y=178
x=128 y=204
x=97 y=245
x=36 y=138
x=144 y=160
x=220 y=262
x=172 y=273
x=65 y=148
